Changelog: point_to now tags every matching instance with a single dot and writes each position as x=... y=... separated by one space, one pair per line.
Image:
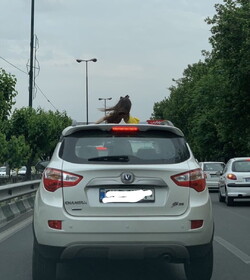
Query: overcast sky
x=140 y=45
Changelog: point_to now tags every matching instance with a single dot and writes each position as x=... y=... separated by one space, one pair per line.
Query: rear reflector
x=54 y=179
x=196 y=224
x=124 y=128
x=55 y=224
x=191 y=179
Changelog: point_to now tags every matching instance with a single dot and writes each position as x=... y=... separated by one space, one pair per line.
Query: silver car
x=212 y=170
x=123 y=191
x=234 y=182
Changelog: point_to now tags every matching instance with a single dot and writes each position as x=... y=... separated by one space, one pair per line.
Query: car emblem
x=127 y=178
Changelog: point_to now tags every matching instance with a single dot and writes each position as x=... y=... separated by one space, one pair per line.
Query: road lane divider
x=234 y=250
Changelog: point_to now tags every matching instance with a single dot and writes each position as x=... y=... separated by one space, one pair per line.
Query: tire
x=229 y=200
x=200 y=268
x=43 y=268
x=221 y=198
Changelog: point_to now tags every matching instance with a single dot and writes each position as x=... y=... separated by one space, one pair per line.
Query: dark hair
x=120 y=111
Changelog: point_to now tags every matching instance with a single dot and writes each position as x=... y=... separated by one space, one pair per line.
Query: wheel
x=42 y=268
x=221 y=198
x=200 y=268
x=229 y=200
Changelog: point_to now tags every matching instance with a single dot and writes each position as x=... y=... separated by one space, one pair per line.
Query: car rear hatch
x=213 y=169
x=241 y=171
x=131 y=171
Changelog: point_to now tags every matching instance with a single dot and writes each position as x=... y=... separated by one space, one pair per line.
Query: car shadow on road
x=122 y=270
x=242 y=203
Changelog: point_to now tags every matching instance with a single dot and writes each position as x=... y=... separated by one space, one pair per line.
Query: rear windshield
x=148 y=147
x=241 y=166
x=215 y=166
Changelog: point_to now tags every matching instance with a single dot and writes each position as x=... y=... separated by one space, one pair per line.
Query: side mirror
x=41 y=165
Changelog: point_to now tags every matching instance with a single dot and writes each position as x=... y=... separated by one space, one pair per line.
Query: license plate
x=124 y=195
x=247 y=179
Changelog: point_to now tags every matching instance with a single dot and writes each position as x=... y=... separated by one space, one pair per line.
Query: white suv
x=123 y=191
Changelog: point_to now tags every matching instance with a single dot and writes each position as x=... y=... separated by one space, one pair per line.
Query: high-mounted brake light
x=54 y=179
x=124 y=128
x=192 y=179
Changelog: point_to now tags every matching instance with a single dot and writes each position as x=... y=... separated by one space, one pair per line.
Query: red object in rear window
x=192 y=179
x=54 y=179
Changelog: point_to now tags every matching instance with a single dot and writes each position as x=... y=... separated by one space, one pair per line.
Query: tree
x=14 y=152
x=211 y=102
x=7 y=94
x=231 y=46
x=41 y=131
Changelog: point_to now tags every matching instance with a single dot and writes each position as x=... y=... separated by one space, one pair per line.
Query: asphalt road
x=231 y=253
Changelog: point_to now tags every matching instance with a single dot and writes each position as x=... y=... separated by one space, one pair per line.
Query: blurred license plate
x=247 y=179
x=123 y=195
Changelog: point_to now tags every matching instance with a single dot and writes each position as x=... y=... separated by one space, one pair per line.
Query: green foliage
x=17 y=152
x=41 y=130
x=28 y=135
x=32 y=135
x=211 y=102
x=3 y=149
x=7 y=94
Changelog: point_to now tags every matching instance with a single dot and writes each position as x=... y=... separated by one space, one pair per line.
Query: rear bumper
x=212 y=185
x=175 y=253
x=125 y=238
x=238 y=191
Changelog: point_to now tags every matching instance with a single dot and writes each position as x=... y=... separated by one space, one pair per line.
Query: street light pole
x=87 y=87
x=31 y=70
x=105 y=100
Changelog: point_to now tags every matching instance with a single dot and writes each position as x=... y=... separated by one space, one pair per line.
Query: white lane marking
x=12 y=230
x=234 y=250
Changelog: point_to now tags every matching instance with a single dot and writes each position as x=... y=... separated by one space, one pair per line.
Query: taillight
x=231 y=176
x=54 y=179
x=192 y=179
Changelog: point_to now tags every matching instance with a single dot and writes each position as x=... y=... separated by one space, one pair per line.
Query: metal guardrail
x=11 y=191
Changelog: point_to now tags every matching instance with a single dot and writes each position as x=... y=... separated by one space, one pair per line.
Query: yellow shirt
x=133 y=120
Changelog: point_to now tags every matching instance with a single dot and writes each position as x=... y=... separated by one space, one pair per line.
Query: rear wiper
x=110 y=158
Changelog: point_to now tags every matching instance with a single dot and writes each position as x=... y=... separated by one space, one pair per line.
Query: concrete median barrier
x=15 y=208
